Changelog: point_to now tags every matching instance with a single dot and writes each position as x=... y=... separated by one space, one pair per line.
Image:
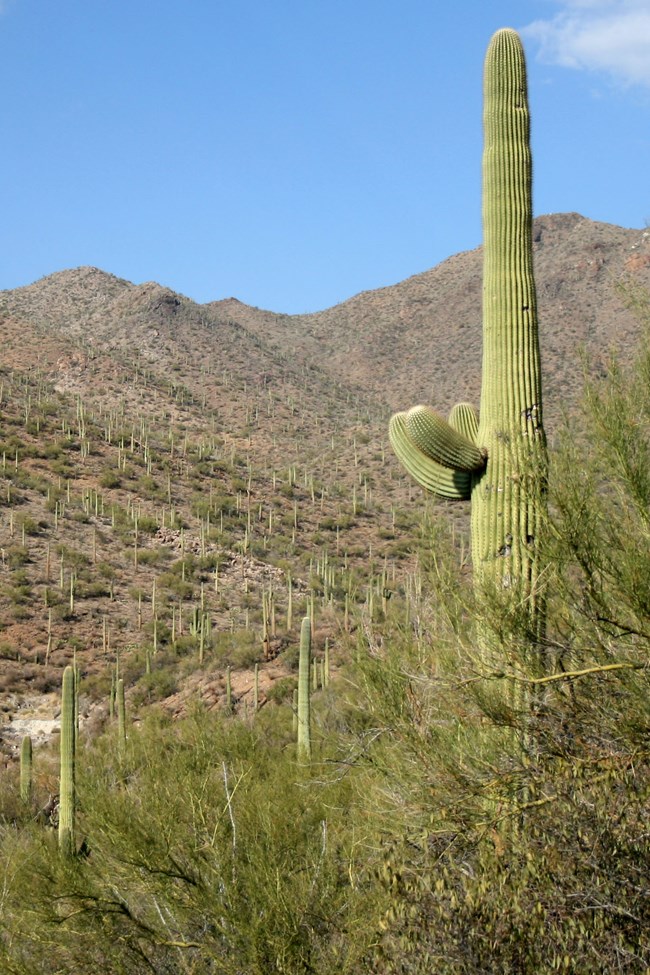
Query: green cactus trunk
x=228 y=691
x=67 y=844
x=26 y=770
x=499 y=459
x=121 y=717
x=507 y=495
x=304 y=668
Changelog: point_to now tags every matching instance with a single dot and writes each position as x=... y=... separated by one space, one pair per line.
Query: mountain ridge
x=418 y=340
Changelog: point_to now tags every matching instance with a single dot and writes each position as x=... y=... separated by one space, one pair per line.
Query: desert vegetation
x=264 y=712
x=435 y=827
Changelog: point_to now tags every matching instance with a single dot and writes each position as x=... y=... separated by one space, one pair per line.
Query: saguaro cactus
x=26 y=770
x=499 y=459
x=121 y=716
x=304 y=667
x=67 y=843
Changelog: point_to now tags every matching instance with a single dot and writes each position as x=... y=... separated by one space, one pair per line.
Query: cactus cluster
x=498 y=457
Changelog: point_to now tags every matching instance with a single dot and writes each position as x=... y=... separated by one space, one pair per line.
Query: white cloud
x=598 y=35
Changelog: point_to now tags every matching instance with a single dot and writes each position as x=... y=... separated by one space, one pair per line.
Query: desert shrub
x=92 y=589
x=172 y=582
x=62 y=465
x=282 y=690
x=80 y=516
x=31 y=526
x=149 y=487
x=7 y=651
x=17 y=555
x=147 y=525
x=240 y=648
x=512 y=833
x=72 y=557
x=153 y=556
x=110 y=478
x=209 y=851
x=156 y=686
x=50 y=451
x=290 y=656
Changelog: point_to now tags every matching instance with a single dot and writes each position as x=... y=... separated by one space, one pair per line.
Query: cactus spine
x=304 y=668
x=498 y=459
x=67 y=844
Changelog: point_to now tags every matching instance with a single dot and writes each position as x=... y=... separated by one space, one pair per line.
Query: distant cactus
x=499 y=461
x=304 y=668
x=326 y=664
x=26 y=770
x=228 y=690
x=67 y=843
x=121 y=715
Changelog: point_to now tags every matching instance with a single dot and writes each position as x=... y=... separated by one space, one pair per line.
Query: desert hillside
x=220 y=455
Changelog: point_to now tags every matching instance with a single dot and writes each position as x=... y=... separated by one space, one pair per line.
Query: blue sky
x=292 y=153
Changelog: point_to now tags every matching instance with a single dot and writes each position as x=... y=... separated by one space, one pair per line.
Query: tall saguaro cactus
x=507 y=501
x=67 y=844
x=497 y=459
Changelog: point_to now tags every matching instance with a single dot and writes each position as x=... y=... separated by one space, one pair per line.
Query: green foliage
x=239 y=648
x=513 y=837
x=282 y=690
x=491 y=860
x=413 y=868
x=156 y=686
x=223 y=863
x=110 y=478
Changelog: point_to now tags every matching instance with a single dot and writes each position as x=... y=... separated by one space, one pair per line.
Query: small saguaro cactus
x=121 y=716
x=228 y=690
x=67 y=844
x=497 y=458
x=26 y=770
x=304 y=668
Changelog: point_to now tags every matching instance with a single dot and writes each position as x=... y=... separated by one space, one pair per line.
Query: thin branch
x=551 y=678
x=232 y=818
x=571 y=674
